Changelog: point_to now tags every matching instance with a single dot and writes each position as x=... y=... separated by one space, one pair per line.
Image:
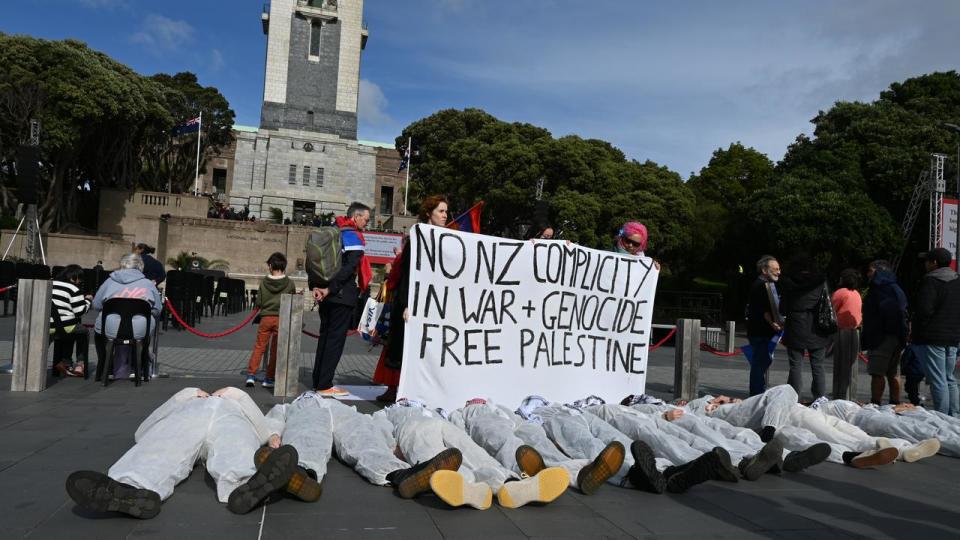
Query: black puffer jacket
x=936 y=317
x=800 y=294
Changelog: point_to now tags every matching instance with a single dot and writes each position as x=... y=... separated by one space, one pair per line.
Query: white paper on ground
x=360 y=393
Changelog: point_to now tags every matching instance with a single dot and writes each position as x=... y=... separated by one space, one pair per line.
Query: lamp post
x=956 y=129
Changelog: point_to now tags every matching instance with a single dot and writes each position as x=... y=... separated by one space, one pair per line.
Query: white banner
x=948 y=228
x=503 y=319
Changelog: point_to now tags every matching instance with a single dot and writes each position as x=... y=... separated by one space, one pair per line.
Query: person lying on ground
x=524 y=447
x=776 y=413
x=581 y=434
x=741 y=443
x=223 y=429
x=422 y=433
x=904 y=421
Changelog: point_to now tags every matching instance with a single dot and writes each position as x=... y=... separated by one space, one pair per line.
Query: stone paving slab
x=78 y=424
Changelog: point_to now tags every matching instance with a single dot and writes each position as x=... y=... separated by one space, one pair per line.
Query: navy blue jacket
x=884 y=311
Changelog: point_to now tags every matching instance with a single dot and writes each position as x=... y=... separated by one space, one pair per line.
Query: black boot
x=726 y=472
x=798 y=461
x=763 y=461
x=644 y=474
x=270 y=478
x=695 y=472
x=100 y=493
x=416 y=480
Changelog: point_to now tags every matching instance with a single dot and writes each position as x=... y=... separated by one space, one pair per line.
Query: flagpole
x=196 y=176
x=406 y=188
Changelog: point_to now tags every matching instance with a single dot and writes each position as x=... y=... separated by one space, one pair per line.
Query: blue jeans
x=939 y=363
x=760 y=361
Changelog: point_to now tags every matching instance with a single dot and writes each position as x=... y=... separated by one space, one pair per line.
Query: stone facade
x=305 y=156
x=390 y=183
x=262 y=172
x=313 y=92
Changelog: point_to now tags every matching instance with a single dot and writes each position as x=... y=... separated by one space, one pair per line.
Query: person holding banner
x=433 y=211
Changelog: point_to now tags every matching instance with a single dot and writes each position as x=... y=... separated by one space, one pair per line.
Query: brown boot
x=301 y=484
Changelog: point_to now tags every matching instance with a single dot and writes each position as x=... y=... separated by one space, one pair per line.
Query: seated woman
x=69 y=305
x=127 y=282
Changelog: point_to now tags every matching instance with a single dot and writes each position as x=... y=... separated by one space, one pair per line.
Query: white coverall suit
x=582 y=435
x=500 y=432
x=224 y=431
x=315 y=425
x=914 y=425
x=422 y=434
x=797 y=426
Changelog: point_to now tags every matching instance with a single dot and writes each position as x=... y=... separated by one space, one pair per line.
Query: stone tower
x=312 y=74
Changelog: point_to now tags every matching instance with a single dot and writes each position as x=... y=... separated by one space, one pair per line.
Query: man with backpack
x=338 y=295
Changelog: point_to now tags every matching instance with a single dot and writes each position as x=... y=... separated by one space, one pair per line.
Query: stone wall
x=64 y=249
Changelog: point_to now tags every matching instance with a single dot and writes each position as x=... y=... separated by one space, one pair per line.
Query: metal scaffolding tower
x=937 y=186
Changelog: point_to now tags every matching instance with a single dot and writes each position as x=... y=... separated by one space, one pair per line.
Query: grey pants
x=795 y=379
x=364 y=442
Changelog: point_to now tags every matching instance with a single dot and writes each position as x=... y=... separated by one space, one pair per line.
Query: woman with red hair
x=433 y=211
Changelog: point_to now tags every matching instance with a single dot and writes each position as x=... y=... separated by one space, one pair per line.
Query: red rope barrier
x=196 y=332
x=707 y=348
x=7 y=288
x=664 y=340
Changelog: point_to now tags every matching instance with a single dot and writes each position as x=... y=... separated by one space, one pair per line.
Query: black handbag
x=826 y=316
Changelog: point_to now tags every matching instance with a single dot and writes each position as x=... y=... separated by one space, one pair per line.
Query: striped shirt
x=69 y=303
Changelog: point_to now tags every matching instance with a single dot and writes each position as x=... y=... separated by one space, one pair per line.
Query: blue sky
x=666 y=81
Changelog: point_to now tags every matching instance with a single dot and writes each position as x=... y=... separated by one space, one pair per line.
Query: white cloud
x=372 y=104
x=216 y=60
x=162 y=33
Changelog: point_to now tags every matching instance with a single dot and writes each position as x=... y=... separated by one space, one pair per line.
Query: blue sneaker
x=267 y=383
x=251 y=381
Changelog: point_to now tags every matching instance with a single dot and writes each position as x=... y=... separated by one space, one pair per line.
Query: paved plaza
x=78 y=424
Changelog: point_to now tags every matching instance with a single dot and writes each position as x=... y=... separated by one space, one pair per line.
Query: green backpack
x=324 y=246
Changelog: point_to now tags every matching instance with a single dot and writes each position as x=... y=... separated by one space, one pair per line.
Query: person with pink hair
x=632 y=239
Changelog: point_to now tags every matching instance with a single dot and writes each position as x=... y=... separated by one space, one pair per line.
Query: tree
x=172 y=159
x=589 y=185
x=721 y=190
x=95 y=115
x=837 y=227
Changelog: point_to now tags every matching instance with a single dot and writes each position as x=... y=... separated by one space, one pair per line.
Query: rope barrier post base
x=731 y=331
x=687 y=363
x=287 y=383
x=32 y=335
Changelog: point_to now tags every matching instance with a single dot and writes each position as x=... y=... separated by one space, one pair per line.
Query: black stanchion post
x=687 y=364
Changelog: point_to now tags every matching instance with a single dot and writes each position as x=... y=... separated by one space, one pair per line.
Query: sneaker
x=452 y=489
x=302 y=484
x=767 y=458
x=251 y=381
x=726 y=472
x=267 y=383
x=800 y=460
x=100 y=493
x=529 y=460
x=644 y=474
x=605 y=465
x=872 y=458
x=333 y=391
x=271 y=477
x=921 y=450
x=544 y=487
x=416 y=480
x=696 y=472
